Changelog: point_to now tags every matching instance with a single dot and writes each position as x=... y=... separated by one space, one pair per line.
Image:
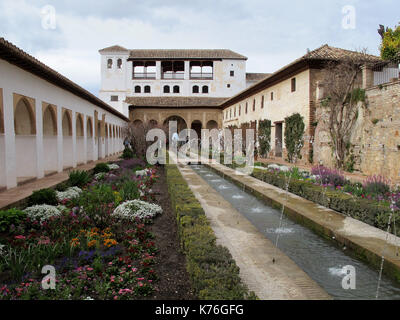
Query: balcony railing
x=173 y=75
x=200 y=76
x=150 y=75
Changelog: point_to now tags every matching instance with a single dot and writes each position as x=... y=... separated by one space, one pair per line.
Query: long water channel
x=319 y=258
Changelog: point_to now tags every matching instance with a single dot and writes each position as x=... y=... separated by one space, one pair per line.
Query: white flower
x=136 y=209
x=42 y=212
x=113 y=166
x=100 y=176
x=70 y=193
x=88 y=298
x=2 y=250
x=142 y=173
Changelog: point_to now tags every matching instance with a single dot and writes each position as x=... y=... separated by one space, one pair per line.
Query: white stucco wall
x=32 y=156
x=119 y=82
x=284 y=104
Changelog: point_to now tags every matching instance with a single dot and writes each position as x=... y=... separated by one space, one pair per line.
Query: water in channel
x=319 y=258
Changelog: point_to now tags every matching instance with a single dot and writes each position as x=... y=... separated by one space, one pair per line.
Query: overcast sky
x=270 y=33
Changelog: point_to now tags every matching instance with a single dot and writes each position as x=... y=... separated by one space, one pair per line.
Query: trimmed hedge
x=364 y=210
x=213 y=273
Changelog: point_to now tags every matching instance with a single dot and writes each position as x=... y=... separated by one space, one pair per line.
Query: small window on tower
x=109 y=63
x=293 y=84
x=138 y=89
x=232 y=73
x=228 y=85
x=272 y=96
x=119 y=63
x=114 y=98
x=147 y=89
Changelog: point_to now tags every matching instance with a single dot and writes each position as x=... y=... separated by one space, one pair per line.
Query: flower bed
x=95 y=253
x=329 y=188
x=213 y=272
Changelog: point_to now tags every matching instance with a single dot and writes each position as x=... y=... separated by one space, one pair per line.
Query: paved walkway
x=354 y=177
x=252 y=251
x=9 y=197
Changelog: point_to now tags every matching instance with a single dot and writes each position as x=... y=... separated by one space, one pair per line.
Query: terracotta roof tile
x=185 y=54
x=115 y=48
x=256 y=76
x=21 y=59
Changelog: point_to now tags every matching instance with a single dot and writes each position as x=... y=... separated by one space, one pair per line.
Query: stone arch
x=66 y=123
x=137 y=122
x=79 y=125
x=212 y=124
x=197 y=126
x=50 y=138
x=24 y=117
x=153 y=122
x=89 y=127
x=25 y=140
x=49 y=120
x=181 y=123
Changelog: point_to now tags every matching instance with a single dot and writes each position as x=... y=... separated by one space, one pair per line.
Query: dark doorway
x=278 y=139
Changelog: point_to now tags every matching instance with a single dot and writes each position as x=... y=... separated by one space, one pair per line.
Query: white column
x=60 y=153
x=85 y=159
x=9 y=140
x=187 y=70
x=74 y=157
x=39 y=140
x=158 y=70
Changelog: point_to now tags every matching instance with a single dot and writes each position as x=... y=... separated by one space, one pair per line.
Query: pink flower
x=115 y=298
x=20 y=237
x=89 y=269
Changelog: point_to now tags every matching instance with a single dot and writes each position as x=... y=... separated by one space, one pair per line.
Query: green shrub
x=11 y=217
x=43 y=196
x=358 y=208
x=96 y=204
x=79 y=178
x=129 y=191
x=213 y=273
x=376 y=185
x=294 y=131
x=127 y=153
x=101 y=167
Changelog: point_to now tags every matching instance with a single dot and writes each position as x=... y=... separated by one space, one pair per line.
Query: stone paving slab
x=10 y=197
x=252 y=251
x=369 y=243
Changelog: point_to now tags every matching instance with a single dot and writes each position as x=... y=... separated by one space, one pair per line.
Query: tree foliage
x=294 y=131
x=390 y=46
x=264 y=137
x=343 y=95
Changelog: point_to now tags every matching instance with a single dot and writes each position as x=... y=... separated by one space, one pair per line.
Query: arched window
x=176 y=89
x=166 y=89
x=109 y=63
x=119 y=63
x=138 y=89
x=147 y=89
x=204 y=89
x=195 y=89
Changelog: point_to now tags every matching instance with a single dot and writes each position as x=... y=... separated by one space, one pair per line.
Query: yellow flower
x=92 y=243
x=110 y=242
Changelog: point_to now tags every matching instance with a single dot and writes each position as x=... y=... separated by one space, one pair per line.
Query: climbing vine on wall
x=294 y=131
x=264 y=137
